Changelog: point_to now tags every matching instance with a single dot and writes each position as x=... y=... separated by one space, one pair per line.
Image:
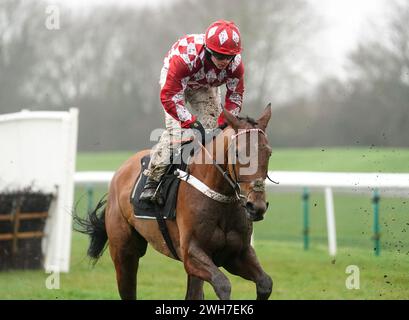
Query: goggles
x=220 y=56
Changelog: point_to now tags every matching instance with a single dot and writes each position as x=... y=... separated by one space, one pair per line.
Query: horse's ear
x=265 y=117
x=231 y=120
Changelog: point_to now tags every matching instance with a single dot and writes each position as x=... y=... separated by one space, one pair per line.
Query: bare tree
x=379 y=82
x=107 y=63
x=18 y=50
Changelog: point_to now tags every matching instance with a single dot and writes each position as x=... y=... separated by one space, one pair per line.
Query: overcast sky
x=345 y=21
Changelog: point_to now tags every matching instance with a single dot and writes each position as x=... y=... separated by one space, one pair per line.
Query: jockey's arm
x=172 y=92
x=234 y=94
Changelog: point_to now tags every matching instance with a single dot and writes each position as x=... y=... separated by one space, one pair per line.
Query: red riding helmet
x=223 y=37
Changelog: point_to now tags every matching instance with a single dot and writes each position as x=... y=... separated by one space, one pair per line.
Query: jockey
x=193 y=70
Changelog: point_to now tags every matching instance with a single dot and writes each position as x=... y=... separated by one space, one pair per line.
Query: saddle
x=169 y=184
x=168 y=189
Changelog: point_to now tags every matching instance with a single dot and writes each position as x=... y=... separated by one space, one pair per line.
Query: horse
x=206 y=234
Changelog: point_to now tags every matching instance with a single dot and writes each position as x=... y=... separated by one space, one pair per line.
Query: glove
x=199 y=131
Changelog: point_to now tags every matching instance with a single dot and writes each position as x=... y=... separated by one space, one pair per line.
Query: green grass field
x=297 y=274
x=324 y=159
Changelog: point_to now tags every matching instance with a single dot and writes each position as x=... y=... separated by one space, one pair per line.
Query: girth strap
x=165 y=233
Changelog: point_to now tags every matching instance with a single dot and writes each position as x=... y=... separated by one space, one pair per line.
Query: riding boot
x=149 y=190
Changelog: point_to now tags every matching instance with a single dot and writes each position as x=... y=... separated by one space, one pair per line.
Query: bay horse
x=206 y=234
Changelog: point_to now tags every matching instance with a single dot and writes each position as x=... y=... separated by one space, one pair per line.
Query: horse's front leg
x=198 y=264
x=194 y=288
x=247 y=266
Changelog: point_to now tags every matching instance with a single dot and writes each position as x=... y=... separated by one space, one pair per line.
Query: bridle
x=233 y=164
x=233 y=179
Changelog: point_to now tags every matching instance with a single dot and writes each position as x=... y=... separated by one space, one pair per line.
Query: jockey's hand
x=199 y=131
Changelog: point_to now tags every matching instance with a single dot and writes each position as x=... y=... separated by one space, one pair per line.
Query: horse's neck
x=203 y=168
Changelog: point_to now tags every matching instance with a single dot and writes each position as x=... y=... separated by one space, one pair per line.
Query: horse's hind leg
x=126 y=246
x=194 y=288
x=126 y=253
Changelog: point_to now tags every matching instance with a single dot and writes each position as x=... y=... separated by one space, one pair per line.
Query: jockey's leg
x=161 y=157
x=157 y=167
x=206 y=104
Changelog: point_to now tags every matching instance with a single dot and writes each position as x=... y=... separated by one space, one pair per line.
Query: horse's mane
x=221 y=128
x=247 y=119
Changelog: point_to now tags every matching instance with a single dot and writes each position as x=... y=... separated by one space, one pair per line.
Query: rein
x=258 y=185
x=225 y=173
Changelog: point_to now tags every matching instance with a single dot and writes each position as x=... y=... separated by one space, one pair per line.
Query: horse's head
x=249 y=153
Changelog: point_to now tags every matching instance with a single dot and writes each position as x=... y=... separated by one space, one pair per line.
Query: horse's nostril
x=250 y=207
x=256 y=210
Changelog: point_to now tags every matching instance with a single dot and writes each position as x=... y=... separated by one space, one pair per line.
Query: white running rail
x=394 y=184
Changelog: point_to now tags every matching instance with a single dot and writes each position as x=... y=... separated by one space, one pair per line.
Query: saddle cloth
x=168 y=189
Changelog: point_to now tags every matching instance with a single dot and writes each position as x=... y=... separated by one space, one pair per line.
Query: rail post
x=305 y=200
x=90 y=194
x=332 y=239
x=376 y=226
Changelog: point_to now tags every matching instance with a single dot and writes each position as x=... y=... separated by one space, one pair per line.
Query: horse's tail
x=94 y=226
